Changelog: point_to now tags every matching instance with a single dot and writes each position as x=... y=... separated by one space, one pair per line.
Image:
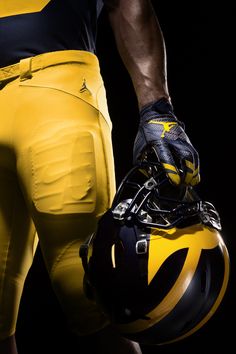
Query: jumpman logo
x=166 y=126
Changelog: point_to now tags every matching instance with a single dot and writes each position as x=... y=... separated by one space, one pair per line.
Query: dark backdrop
x=198 y=41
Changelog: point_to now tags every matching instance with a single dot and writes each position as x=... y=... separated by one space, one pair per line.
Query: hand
x=160 y=129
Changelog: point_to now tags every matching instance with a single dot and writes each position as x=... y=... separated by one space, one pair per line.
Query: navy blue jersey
x=29 y=27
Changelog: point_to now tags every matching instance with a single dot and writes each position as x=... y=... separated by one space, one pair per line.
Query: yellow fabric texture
x=56 y=175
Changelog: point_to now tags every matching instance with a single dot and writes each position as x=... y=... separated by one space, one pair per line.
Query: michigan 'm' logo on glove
x=165 y=134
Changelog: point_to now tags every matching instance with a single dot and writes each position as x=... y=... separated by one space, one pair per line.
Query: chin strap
x=83 y=251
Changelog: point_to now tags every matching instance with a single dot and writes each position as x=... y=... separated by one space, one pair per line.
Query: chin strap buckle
x=141 y=246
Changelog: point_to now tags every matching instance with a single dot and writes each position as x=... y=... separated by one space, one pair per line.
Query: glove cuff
x=161 y=106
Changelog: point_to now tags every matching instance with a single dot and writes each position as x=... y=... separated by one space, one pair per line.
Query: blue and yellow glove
x=160 y=129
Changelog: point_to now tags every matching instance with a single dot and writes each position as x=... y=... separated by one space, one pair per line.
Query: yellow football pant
x=56 y=177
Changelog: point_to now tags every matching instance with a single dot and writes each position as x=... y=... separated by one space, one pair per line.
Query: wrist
x=162 y=106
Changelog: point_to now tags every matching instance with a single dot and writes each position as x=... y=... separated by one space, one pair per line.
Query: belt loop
x=25 y=69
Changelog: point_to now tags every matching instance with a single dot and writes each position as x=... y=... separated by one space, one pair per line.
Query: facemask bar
x=152 y=201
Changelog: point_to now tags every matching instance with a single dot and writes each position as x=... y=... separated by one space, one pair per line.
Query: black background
x=199 y=60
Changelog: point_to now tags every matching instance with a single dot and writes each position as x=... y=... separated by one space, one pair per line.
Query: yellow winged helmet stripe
x=166 y=247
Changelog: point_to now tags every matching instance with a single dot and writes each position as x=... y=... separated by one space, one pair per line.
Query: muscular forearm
x=141 y=46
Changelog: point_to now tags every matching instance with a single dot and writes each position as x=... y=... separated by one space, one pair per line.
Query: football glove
x=162 y=131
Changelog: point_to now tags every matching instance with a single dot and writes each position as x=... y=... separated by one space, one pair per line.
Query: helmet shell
x=158 y=285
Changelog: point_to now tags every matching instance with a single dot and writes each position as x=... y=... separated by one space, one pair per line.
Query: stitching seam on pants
x=51 y=272
x=60 y=90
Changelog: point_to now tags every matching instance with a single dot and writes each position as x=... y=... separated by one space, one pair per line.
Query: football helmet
x=159 y=266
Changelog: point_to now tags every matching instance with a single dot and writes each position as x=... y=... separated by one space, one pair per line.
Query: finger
x=172 y=173
x=189 y=168
x=138 y=148
x=196 y=178
x=168 y=163
x=189 y=161
x=196 y=173
x=191 y=173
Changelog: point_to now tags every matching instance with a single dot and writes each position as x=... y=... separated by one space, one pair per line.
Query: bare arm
x=141 y=46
